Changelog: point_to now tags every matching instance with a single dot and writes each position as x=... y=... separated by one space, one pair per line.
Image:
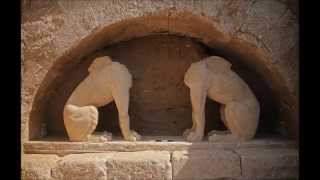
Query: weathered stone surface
x=82 y=166
x=213 y=78
x=205 y=164
x=229 y=14
x=98 y=166
x=51 y=28
x=147 y=144
x=37 y=166
x=189 y=5
x=269 y=163
x=256 y=163
x=112 y=82
x=140 y=165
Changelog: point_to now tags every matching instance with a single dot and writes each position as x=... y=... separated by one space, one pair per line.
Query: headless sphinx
x=107 y=81
x=212 y=77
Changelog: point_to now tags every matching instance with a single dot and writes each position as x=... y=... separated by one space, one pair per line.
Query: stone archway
x=181 y=23
x=259 y=37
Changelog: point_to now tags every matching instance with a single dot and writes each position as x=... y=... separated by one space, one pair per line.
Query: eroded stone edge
x=240 y=153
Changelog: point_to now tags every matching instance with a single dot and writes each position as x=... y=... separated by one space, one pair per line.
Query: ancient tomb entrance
x=159 y=99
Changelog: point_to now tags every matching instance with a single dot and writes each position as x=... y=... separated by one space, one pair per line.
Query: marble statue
x=212 y=77
x=107 y=81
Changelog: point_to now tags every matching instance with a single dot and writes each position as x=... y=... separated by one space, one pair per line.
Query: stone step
x=255 y=163
x=161 y=143
x=250 y=163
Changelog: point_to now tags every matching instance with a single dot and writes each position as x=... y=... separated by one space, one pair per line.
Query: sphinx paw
x=194 y=137
x=134 y=136
x=186 y=133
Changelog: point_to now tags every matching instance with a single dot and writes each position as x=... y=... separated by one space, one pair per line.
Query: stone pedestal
x=171 y=158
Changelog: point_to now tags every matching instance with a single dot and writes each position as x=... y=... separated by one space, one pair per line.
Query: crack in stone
x=168 y=19
x=240 y=159
x=51 y=173
x=250 y=7
x=281 y=16
x=259 y=40
x=238 y=29
x=171 y=160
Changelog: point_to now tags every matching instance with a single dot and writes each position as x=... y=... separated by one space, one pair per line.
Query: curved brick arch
x=173 y=21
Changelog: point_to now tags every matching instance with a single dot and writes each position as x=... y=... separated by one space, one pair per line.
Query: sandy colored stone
x=152 y=110
x=148 y=144
x=261 y=163
x=205 y=164
x=82 y=167
x=37 y=166
x=122 y=165
x=222 y=136
x=212 y=77
x=100 y=137
x=270 y=163
x=140 y=165
x=107 y=81
x=48 y=31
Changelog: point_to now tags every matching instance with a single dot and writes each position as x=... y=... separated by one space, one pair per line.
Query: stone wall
x=56 y=35
x=264 y=33
x=181 y=165
x=257 y=159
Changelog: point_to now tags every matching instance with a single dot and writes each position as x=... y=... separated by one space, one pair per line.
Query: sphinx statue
x=212 y=77
x=107 y=81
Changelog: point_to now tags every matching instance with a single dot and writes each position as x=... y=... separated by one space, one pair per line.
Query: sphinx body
x=212 y=77
x=107 y=81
